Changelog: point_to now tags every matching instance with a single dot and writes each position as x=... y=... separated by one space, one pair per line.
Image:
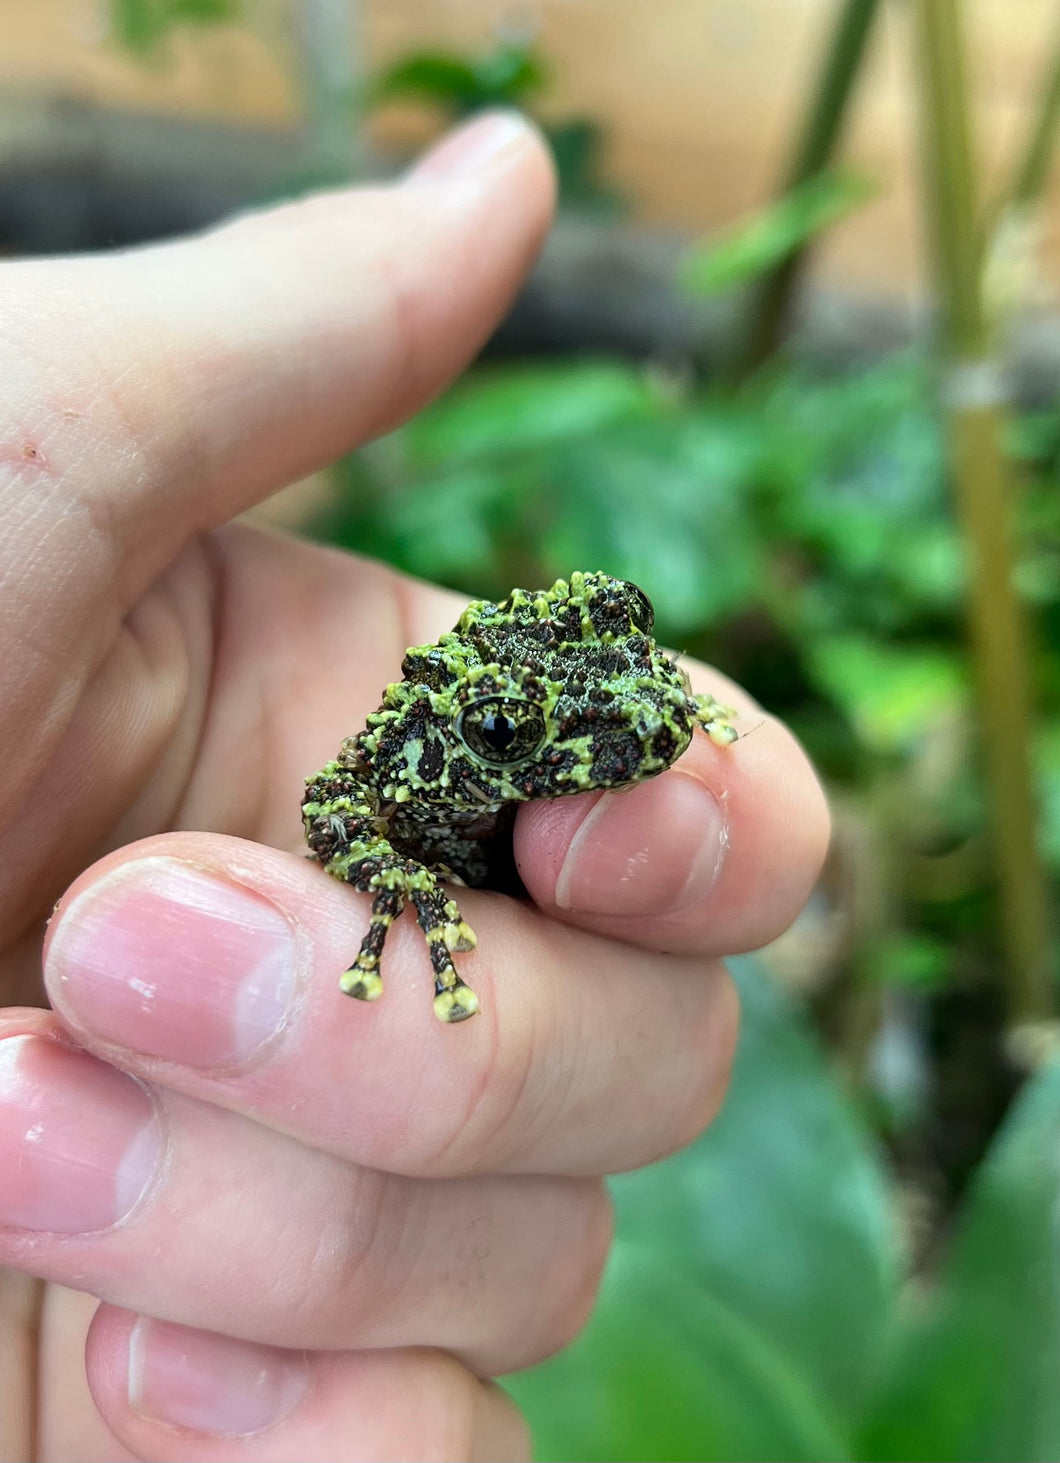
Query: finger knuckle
x=338 y=1266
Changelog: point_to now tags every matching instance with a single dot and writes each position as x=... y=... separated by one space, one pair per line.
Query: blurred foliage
x=508 y=76
x=777 y=232
x=753 y=1306
x=796 y=530
x=972 y=1372
x=820 y=502
x=457 y=84
x=143 y=25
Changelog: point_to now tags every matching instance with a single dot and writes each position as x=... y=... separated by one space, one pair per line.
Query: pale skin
x=327 y=1224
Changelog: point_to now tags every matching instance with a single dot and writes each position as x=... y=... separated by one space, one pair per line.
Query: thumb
x=158 y=392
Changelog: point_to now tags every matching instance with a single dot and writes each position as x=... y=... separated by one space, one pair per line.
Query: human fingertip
x=488 y=140
x=502 y=1435
x=80 y=1143
x=171 y=1392
x=655 y=850
x=210 y=1384
x=173 y=960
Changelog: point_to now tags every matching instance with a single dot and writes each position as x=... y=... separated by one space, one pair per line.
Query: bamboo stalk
x=1033 y=169
x=822 y=129
x=974 y=403
x=1010 y=230
x=329 y=32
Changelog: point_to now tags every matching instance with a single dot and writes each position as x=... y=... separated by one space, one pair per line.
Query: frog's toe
x=716 y=720
x=362 y=985
x=721 y=733
x=457 y=1003
x=459 y=936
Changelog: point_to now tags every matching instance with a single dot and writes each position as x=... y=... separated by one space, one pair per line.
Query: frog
x=544 y=694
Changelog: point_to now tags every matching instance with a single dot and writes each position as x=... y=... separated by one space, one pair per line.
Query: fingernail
x=164 y=959
x=470 y=148
x=210 y=1383
x=654 y=850
x=79 y=1142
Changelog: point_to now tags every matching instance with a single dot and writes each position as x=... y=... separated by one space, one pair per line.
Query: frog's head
x=546 y=694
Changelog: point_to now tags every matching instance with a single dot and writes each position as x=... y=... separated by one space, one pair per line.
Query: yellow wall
x=63 y=45
x=699 y=96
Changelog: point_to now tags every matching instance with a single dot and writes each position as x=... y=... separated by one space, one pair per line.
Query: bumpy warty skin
x=547 y=694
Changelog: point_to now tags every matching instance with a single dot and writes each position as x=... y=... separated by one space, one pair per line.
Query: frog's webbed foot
x=362 y=980
x=716 y=720
x=443 y=929
x=345 y=834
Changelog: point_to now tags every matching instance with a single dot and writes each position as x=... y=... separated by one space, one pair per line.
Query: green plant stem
x=816 y=146
x=975 y=412
x=329 y=35
x=1008 y=233
x=1033 y=169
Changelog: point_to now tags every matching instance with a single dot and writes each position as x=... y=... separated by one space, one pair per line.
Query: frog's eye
x=641 y=610
x=501 y=731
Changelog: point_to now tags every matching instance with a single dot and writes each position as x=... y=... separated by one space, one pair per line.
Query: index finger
x=210 y=965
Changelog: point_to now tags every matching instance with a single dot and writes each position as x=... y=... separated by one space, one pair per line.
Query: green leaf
x=137 y=24
x=205 y=12
x=1048 y=769
x=445 y=532
x=502 y=77
x=911 y=961
x=781 y=1208
x=745 y=1310
x=142 y=25
x=891 y=693
x=576 y=146
x=508 y=75
x=975 y=1376
x=505 y=412
x=1034 y=436
x=858 y=475
x=430 y=75
x=668 y=1372
x=660 y=502
x=772 y=235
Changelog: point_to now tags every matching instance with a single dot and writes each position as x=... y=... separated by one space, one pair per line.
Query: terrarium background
x=697 y=98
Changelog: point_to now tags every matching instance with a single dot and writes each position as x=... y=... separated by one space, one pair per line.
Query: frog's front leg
x=347 y=834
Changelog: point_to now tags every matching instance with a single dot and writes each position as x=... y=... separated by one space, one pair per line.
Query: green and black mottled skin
x=551 y=692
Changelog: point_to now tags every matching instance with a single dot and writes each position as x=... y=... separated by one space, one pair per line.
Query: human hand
x=314 y=1226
